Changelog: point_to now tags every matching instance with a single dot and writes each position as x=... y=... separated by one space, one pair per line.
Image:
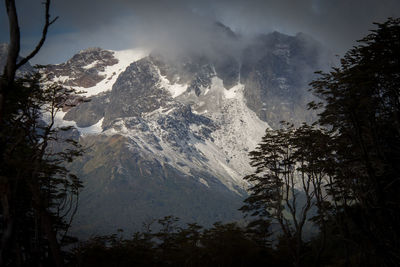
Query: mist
x=178 y=26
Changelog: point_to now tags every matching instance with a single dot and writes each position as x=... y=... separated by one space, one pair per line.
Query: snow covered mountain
x=171 y=135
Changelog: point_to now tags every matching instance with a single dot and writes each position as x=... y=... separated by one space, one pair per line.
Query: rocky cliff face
x=171 y=135
x=276 y=70
x=83 y=69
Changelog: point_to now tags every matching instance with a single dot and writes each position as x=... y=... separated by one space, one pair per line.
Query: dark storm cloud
x=336 y=22
x=179 y=25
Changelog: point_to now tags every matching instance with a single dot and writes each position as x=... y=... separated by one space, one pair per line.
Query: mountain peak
x=225 y=29
x=184 y=123
x=91 y=50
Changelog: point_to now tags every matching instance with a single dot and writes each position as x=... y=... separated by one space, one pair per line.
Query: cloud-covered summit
x=121 y=24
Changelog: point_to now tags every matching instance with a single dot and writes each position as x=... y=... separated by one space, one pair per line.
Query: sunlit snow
x=93 y=129
x=111 y=73
x=175 y=89
x=238 y=131
x=60 y=122
x=225 y=155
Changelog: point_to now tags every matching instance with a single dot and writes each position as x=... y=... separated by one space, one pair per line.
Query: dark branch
x=47 y=24
x=14 y=47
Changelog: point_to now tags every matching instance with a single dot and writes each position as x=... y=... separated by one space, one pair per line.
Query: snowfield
x=234 y=129
x=111 y=73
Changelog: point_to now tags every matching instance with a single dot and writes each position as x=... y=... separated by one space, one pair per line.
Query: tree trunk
x=13 y=50
x=8 y=223
x=55 y=249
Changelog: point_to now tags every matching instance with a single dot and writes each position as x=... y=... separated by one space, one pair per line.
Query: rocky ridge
x=167 y=132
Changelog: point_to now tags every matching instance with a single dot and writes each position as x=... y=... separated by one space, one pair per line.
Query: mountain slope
x=170 y=135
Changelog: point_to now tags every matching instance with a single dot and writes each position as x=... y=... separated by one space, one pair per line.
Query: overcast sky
x=123 y=24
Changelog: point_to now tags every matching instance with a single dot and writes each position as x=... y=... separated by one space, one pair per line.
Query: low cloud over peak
x=184 y=24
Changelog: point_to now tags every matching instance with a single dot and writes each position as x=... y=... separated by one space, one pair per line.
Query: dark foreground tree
x=12 y=62
x=174 y=245
x=38 y=194
x=345 y=172
x=361 y=107
x=288 y=184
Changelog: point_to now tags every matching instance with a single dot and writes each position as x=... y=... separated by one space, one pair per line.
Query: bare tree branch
x=46 y=26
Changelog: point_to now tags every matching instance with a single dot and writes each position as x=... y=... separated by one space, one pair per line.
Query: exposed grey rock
x=228 y=70
x=131 y=189
x=201 y=80
x=276 y=71
x=84 y=68
x=136 y=91
x=159 y=155
x=89 y=112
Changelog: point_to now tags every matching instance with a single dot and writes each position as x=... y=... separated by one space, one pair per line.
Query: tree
x=288 y=182
x=38 y=194
x=361 y=107
x=347 y=167
x=12 y=64
x=173 y=245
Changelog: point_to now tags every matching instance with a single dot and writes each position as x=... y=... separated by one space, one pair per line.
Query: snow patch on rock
x=240 y=129
x=201 y=180
x=111 y=73
x=175 y=89
x=60 y=122
x=93 y=129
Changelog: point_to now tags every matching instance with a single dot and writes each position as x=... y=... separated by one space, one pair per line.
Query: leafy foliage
x=39 y=195
x=346 y=168
x=172 y=245
x=288 y=182
x=361 y=107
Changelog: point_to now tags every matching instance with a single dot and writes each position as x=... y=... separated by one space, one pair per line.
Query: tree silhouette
x=288 y=182
x=361 y=107
x=38 y=194
x=345 y=169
